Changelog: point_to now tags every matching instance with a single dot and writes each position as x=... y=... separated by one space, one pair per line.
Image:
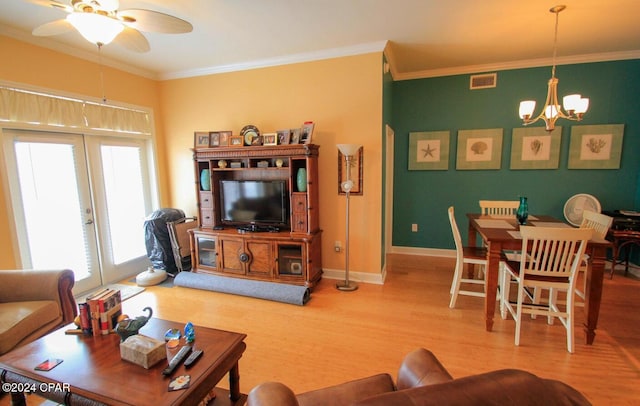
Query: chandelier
x=574 y=104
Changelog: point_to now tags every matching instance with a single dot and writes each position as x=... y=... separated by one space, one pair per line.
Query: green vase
x=523 y=211
x=301 y=180
x=205 y=180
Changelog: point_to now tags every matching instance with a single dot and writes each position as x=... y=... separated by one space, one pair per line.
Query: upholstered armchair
x=33 y=303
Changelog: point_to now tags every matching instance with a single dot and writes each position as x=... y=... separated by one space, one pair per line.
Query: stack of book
x=103 y=309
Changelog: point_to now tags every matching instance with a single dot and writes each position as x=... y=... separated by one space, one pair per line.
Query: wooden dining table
x=500 y=233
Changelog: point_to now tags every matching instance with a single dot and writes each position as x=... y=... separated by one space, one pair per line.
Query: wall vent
x=484 y=81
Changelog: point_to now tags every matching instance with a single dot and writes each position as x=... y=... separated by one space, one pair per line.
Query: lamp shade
x=349 y=149
x=96 y=28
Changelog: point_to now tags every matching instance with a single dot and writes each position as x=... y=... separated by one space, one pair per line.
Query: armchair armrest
x=28 y=285
x=271 y=393
x=419 y=368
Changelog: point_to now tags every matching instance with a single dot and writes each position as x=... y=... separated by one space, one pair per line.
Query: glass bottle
x=523 y=211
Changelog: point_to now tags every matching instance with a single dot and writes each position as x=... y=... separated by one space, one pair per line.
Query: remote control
x=176 y=360
x=195 y=355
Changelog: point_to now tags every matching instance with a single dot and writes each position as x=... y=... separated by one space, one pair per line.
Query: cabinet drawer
x=299 y=222
x=206 y=200
x=299 y=203
x=206 y=217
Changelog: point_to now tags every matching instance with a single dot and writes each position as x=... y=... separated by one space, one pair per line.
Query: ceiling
x=423 y=38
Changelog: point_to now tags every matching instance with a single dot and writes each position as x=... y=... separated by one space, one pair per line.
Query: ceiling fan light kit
x=96 y=28
x=574 y=105
x=101 y=22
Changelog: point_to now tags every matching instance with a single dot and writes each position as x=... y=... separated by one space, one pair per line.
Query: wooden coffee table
x=92 y=371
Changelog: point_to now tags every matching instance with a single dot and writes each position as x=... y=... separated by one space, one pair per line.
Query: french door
x=79 y=202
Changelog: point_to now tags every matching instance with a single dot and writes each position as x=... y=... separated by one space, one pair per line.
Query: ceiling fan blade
x=56 y=27
x=108 y=5
x=154 y=21
x=52 y=3
x=133 y=40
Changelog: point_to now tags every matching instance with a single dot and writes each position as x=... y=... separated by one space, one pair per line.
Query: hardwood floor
x=340 y=336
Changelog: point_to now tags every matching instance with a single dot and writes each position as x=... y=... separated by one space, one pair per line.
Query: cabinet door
x=233 y=255
x=291 y=261
x=261 y=260
x=206 y=252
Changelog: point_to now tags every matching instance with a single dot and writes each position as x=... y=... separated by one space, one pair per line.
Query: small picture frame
x=429 y=150
x=270 y=139
x=224 y=138
x=236 y=141
x=284 y=136
x=479 y=149
x=306 y=132
x=200 y=139
x=295 y=135
x=214 y=139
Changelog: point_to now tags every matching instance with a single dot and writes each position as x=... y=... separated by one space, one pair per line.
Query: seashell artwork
x=479 y=147
x=536 y=146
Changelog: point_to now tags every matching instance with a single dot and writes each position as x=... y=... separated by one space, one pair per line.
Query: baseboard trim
x=364 y=277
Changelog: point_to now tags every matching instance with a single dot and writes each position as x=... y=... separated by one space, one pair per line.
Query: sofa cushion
x=20 y=319
x=503 y=387
x=348 y=392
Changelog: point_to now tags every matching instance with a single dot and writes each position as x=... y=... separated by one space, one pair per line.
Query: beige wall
x=342 y=96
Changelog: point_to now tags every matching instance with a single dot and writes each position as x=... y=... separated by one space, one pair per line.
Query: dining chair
x=465 y=255
x=554 y=255
x=600 y=223
x=499 y=208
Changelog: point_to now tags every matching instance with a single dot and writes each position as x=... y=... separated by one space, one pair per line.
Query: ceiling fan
x=101 y=22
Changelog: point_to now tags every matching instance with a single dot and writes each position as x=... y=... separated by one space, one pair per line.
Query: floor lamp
x=348 y=150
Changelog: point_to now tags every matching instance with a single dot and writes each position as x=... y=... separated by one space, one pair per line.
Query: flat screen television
x=259 y=202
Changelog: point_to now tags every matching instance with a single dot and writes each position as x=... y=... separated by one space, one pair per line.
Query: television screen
x=254 y=201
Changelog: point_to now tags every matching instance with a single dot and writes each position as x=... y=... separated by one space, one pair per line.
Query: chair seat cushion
x=20 y=319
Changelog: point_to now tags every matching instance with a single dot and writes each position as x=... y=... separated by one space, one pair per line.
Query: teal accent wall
x=447 y=103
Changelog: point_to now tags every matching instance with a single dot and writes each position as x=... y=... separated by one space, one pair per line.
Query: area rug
x=279 y=292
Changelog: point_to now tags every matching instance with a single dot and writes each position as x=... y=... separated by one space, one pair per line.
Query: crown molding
x=283 y=60
x=523 y=64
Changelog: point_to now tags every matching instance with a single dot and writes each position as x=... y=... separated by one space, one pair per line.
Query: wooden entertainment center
x=290 y=252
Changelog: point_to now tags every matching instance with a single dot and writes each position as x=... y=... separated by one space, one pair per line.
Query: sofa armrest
x=271 y=393
x=419 y=368
x=29 y=285
x=348 y=392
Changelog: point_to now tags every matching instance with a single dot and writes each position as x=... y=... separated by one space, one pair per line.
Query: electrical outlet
x=414 y=228
x=337 y=246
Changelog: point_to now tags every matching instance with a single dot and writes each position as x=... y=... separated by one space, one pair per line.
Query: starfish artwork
x=428 y=151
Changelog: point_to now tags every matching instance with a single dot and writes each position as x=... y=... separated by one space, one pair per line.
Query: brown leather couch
x=422 y=380
x=33 y=303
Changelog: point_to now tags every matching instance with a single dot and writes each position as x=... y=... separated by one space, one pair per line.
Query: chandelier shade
x=96 y=28
x=574 y=106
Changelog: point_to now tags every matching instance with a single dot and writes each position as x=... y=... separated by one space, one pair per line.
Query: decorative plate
x=576 y=204
x=249 y=134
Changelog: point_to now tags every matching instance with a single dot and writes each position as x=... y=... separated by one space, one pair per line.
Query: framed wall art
x=595 y=146
x=429 y=150
x=535 y=148
x=214 y=139
x=236 y=141
x=479 y=149
x=224 y=138
x=306 y=132
x=354 y=170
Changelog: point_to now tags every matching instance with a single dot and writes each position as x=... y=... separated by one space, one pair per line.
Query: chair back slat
x=499 y=208
x=553 y=252
x=456 y=235
x=600 y=223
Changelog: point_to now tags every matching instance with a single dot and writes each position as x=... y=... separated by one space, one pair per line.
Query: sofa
x=422 y=380
x=33 y=303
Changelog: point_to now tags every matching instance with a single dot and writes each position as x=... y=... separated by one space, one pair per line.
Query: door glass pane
x=53 y=212
x=124 y=193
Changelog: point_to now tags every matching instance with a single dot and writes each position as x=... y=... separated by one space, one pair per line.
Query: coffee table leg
x=18 y=399
x=234 y=383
